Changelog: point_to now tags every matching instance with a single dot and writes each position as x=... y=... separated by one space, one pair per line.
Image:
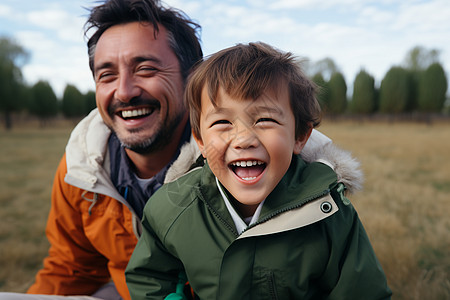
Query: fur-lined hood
x=319 y=148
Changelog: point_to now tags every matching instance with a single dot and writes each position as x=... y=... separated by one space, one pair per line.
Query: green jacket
x=307 y=244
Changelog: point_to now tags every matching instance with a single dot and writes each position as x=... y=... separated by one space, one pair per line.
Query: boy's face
x=248 y=143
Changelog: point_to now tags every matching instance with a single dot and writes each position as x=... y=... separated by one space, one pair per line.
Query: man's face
x=139 y=87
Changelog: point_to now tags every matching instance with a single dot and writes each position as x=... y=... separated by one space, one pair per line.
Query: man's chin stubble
x=155 y=143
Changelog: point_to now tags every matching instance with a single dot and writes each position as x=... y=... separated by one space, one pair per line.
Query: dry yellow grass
x=28 y=160
x=405 y=203
x=404 y=206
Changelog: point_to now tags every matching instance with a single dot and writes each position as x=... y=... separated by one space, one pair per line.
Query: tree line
x=38 y=99
x=418 y=86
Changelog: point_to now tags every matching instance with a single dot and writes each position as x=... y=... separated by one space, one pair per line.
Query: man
x=140 y=56
x=138 y=138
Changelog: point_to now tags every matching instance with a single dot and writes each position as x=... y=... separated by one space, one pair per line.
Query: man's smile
x=135 y=113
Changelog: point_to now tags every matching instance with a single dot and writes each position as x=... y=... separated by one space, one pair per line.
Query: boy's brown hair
x=246 y=71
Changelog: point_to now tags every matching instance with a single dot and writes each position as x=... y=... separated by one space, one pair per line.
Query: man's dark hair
x=182 y=31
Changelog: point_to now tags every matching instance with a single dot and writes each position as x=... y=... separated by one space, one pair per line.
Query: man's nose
x=127 y=88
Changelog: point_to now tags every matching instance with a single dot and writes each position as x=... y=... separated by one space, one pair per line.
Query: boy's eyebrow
x=268 y=109
x=215 y=110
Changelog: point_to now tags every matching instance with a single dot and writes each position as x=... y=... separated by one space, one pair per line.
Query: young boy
x=256 y=221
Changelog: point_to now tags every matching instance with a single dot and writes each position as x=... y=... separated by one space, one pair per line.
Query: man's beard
x=162 y=136
x=160 y=139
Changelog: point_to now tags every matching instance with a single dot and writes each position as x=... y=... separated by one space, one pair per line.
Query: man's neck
x=149 y=164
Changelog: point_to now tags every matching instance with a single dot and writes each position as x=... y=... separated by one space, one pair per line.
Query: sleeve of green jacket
x=353 y=270
x=152 y=272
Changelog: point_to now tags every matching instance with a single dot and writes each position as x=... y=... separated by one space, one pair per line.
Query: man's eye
x=104 y=76
x=147 y=70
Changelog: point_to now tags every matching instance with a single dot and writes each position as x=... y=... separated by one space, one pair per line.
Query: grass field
x=405 y=205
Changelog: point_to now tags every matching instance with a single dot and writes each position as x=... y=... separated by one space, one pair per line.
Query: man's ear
x=200 y=144
x=301 y=141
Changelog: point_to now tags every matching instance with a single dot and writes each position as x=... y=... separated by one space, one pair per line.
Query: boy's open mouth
x=247 y=169
x=136 y=113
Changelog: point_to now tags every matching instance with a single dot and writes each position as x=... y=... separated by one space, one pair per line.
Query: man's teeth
x=135 y=112
x=246 y=163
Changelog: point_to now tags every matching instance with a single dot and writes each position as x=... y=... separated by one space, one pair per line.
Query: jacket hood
x=87 y=157
x=346 y=167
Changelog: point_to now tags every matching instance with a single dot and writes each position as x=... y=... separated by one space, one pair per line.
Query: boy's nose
x=245 y=138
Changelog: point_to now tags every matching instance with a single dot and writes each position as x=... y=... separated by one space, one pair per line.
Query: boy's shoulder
x=311 y=174
x=177 y=190
x=171 y=200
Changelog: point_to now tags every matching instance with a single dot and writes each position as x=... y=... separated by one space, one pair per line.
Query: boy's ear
x=200 y=144
x=301 y=141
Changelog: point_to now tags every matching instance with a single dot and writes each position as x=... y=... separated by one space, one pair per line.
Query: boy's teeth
x=135 y=112
x=247 y=163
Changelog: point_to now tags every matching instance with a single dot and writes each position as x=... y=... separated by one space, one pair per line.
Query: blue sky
x=356 y=34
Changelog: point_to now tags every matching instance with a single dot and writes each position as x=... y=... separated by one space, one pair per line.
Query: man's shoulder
x=89 y=137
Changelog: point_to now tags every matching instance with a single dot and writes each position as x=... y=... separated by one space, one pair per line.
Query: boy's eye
x=220 y=122
x=267 y=120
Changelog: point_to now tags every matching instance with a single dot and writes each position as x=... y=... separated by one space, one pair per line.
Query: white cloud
x=66 y=26
x=5 y=10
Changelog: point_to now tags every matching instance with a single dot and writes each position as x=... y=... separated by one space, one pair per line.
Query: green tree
x=419 y=58
x=89 y=102
x=363 y=99
x=432 y=88
x=73 y=102
x=395 y=91
x=327 y=67
x=323 y=93
x=338 y=94
x=12 y=56
x=416 y=61
x=44 y=102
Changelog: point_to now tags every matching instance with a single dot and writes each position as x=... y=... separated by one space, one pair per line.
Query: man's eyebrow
x=105 y=65
x=139 y=59
x=134 y=60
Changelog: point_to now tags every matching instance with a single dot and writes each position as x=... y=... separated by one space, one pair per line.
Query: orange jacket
x=89 y=245
x=91 y=228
